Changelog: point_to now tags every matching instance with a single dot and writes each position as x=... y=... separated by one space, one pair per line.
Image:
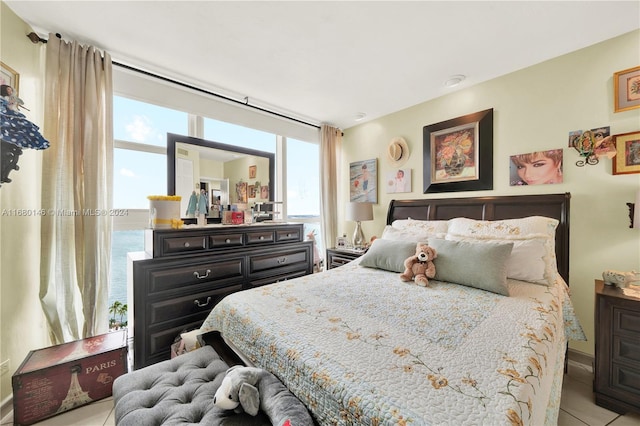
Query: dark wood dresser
x=184 y=273
x=617 y=348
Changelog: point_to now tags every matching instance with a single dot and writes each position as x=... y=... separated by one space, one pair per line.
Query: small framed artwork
x=363 y=178
x=252 y=191
x=398 y=180
x=10 y=77
x=627 y=159
x=253 y=171
x=536 y=168
x=626 y=89
x=458 y=153
x=342 y=242
x=241 y=192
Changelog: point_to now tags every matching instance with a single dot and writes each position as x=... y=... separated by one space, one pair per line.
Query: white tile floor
x=576 y=409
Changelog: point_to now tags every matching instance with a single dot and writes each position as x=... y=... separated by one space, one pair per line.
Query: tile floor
x=577 y=407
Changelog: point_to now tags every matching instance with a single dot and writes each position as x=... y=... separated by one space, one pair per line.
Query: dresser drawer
x=260 y=237
x=182 y=308
x=277 y=278
x=225 y=240
x=159 y=340
x=288 y=235
x=176 y=276
x=626 y=321
x=282 y=259
x=179 y=245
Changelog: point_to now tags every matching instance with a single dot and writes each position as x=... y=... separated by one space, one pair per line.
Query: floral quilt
x=360 y=347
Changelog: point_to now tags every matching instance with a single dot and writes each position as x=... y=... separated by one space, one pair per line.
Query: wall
x=534 y=110
x=22 y=324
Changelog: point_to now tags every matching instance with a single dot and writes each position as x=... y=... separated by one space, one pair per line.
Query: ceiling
x=328 y=61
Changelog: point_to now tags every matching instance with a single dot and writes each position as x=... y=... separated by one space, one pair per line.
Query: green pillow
x=388 y=254
x=479 y=265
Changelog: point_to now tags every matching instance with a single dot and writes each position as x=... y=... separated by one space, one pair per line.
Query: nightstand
x=338 y=257
x=617 y=348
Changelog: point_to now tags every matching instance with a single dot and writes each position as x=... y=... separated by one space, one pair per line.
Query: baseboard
x=580 y=357
x=6 y=409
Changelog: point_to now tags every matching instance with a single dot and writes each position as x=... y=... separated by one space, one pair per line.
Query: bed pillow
x=473 y=264
x=533 y=257
x=428 y=227
x=388 y=254
x=391 y=233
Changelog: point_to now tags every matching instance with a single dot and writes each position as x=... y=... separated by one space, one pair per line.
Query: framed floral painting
x=626 y=89
x=627 y=159
x=458 y=154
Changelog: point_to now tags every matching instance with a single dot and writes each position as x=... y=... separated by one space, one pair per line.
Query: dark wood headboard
x=555 y=206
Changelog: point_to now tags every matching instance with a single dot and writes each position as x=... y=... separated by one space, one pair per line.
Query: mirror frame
x=172 y=138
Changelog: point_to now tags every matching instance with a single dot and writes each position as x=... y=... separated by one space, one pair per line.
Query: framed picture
x=627 y=159
x=241 y=192
x=10 y=77
x=363 y=178
x=626 y=89
x=253 y=170
x=458 y=154
x=398 y=180
x=252 y=191
x=342 y=242
x=536 y=168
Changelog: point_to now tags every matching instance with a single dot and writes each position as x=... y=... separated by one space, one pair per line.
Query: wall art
x=627 y=159
x=398 y=180
x=363 y=181
x=9 y=77
x=536 y=168
x=458 y=154
x=626 y=89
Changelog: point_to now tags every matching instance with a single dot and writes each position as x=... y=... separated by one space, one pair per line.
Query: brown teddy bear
x=420 y=266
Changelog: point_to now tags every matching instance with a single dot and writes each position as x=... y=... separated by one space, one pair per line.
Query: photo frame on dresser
x=458 y=154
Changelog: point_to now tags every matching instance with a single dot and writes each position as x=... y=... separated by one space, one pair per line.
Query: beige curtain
x=76 y=190
x=330 y=147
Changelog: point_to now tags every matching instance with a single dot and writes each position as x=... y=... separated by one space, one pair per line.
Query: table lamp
x=359 y=212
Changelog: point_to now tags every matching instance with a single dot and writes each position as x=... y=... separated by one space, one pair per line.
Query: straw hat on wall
x=398 y=151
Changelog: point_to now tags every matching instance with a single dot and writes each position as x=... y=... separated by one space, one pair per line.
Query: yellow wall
x=22 y=324
x=534 y=110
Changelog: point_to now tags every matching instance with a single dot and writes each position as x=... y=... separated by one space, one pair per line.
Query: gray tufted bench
x=177 y=391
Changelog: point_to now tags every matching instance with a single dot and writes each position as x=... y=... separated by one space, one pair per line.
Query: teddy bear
x=420 y=266
x=251 y=389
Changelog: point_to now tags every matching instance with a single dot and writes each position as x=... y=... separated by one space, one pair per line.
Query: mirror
x=222 y=174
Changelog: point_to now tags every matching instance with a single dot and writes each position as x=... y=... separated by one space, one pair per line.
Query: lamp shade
x=360 y=211
x=636 y=211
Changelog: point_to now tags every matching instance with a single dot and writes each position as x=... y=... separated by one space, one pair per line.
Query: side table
x=337 y=257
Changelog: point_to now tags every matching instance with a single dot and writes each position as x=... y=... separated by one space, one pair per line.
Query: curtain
x=76 y=190
x=330 y=147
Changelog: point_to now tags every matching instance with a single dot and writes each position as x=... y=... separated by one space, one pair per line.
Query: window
x=232 y=134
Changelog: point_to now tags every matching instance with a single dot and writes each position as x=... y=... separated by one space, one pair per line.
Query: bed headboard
x=494 y=208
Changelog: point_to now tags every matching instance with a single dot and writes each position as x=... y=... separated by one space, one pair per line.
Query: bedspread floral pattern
x=407 y=355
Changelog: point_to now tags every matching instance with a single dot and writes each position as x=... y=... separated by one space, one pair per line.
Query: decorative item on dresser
x=617 y=347
x=337 y=257
x=183 y=274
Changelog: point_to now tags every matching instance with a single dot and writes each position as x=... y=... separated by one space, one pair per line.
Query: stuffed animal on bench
x=251 y=389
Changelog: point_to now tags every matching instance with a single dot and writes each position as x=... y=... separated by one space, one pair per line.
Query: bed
x=484 y=343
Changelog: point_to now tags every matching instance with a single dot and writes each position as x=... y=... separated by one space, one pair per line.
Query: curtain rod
x=35 y=38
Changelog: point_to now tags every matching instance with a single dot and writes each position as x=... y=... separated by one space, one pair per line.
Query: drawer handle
x=228 y=240
x=282 y=260
x=201 y=277
x=187 y=244
x=262 y=237
x=202 y=305
x=288 y=235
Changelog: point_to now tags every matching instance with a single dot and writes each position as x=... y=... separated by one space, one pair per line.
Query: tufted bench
x=177 y=391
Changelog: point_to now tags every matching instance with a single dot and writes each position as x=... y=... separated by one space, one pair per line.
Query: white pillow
x=391 y=233
x=533 y=257
x=429 y=227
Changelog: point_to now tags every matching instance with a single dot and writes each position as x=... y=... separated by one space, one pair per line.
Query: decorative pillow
x=388 y=254
x=478 y=265
x=533 y=257
x=391 y=233
x=429 y=227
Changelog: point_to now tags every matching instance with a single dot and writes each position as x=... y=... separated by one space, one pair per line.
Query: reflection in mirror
x=212 y=175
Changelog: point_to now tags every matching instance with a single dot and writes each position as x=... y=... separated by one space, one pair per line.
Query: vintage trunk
x=60 y=378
